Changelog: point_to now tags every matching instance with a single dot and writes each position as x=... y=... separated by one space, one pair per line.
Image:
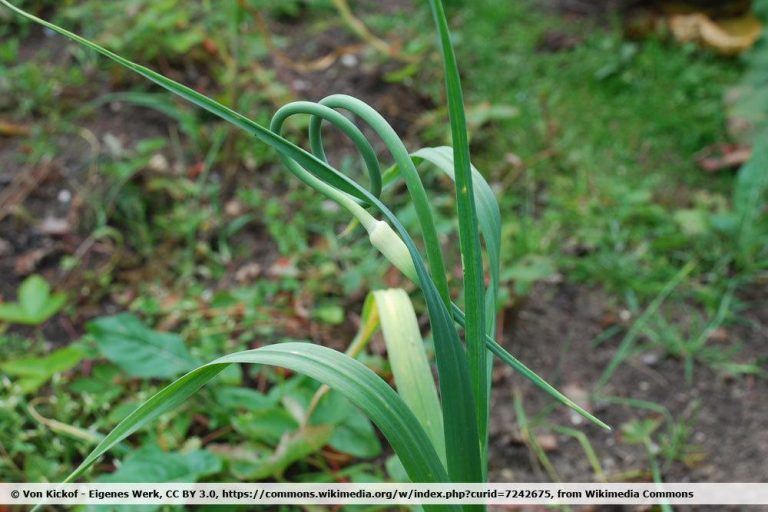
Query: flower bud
x=387 y=241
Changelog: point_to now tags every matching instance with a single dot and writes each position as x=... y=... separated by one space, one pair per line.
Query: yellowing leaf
x=728 y=37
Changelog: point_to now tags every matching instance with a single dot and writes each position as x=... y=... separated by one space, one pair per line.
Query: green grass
x=607 y=132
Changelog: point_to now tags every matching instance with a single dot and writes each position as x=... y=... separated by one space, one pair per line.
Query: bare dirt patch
x=553 y=335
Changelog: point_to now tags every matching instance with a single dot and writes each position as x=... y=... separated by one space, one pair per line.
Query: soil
x=340 y=64
x=553 y=334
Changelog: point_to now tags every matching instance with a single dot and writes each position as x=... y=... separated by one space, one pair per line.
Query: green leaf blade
x=33 y=372
x=347 y=376
x=139 y=350
x=469 y=237
x=488 y=216
x=408 y=359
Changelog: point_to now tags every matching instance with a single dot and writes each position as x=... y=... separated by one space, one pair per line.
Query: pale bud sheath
x=387 y=241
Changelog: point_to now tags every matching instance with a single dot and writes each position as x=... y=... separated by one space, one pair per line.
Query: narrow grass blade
x=188 y=120
x=629 y=339
x=650 y=449
x=586 y=446
x=347 y=376
x=469 y=237
x=529 y=374
x=529 y=438
x=408 y=359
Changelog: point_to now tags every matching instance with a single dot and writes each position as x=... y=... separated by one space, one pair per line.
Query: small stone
x=5 y=247
x=349 y=60
x=650 y=358
x=548 y=442
x=233 y=208
x=55 y=226
x=718 y=335
x=158 y=163
x=283 y=268
x=248 y=272
x=514 y=160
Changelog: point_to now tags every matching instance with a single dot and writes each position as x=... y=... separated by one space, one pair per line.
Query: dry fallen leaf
x=718 y=335
x=27 y=261
x=13 y=130
x=5 y=247
x=578 y=394
x=726 y=36
x=55 y=226
x=723 y=156
x=548 y=442
x=248 y=272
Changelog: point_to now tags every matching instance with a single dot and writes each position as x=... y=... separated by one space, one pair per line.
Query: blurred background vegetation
x=626 y=146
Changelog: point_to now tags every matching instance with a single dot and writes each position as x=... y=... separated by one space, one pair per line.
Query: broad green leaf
x=331 y=314
x=347 y=376
x=235 y=398
x=355 y=436
x=139 y=350
x=408 y=360
x=102 y=382
x=265 y=425
x=250 y=463
x=35 y=303
x=151 y=464
x=12 y=312
x=33 y=293
x=35 y=371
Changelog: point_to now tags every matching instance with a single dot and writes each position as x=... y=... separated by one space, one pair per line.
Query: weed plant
x=441 y=439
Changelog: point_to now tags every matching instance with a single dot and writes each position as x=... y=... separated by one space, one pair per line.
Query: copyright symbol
x=14 y=494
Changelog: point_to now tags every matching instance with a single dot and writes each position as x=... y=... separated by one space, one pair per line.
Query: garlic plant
x=458 y=452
